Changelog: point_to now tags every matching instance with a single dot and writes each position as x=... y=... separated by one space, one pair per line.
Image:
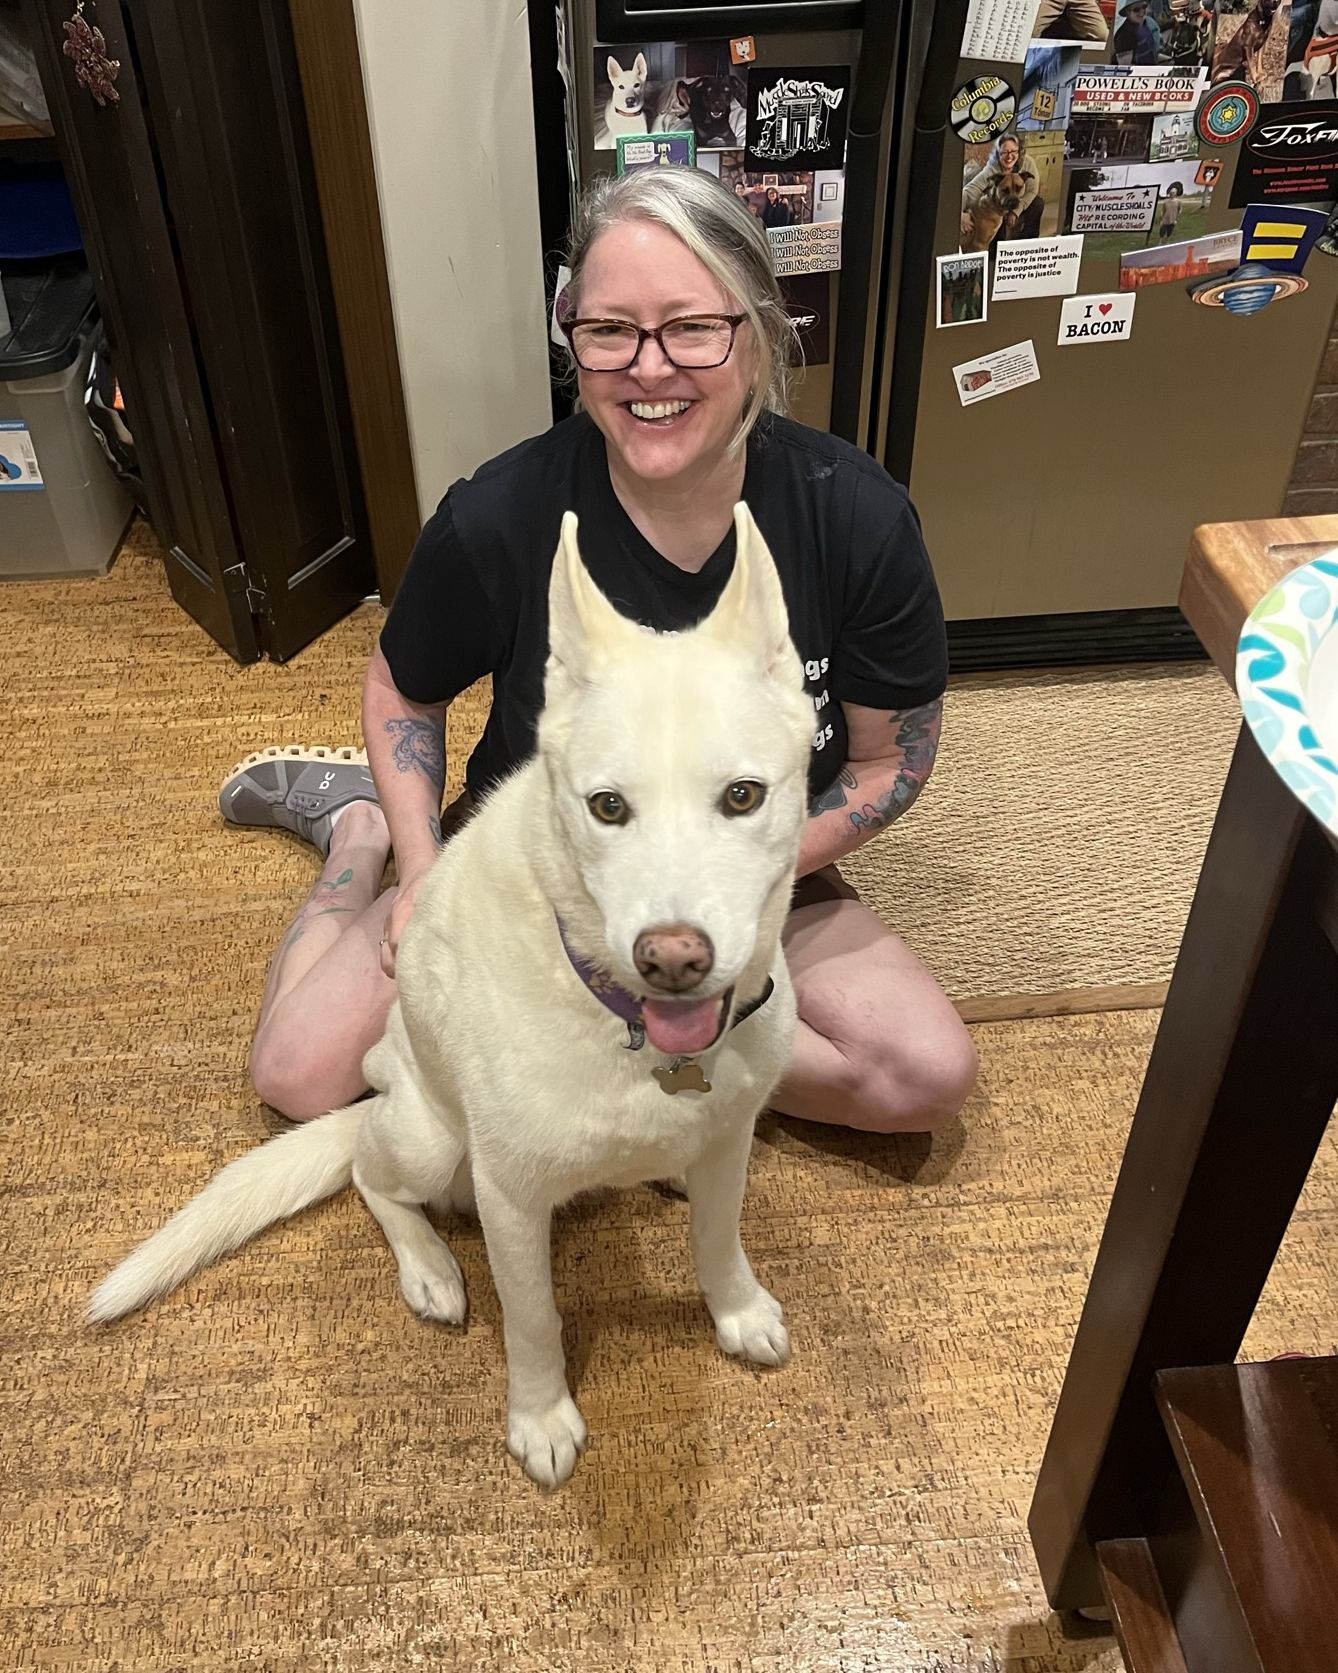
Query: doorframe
x=330 y=66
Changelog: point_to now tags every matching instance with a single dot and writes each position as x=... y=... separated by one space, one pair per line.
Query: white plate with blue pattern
x=1287 y=682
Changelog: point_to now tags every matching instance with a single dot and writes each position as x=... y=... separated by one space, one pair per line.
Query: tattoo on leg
x=318 y=906
x=421 y=745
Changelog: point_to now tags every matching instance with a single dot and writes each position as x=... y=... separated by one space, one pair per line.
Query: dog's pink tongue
x=681 y=1027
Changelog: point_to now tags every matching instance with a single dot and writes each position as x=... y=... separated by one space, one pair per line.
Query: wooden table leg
x=1240 y=1084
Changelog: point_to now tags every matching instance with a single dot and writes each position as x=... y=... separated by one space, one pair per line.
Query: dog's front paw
x=756 y=1332
x=433 y=1284
x=547 y=1444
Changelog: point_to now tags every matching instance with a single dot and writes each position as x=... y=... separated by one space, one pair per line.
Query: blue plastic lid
x=36 y=215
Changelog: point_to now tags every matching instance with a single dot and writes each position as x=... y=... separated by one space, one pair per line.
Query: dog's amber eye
x=744 y=796
x=609 y=808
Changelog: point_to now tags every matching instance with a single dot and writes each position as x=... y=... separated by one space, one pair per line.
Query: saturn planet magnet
x=1275 y=241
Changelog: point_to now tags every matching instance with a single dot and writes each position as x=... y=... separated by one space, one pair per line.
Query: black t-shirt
x=864 y=609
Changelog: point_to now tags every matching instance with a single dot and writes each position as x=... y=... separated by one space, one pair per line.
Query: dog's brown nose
x=673 y=958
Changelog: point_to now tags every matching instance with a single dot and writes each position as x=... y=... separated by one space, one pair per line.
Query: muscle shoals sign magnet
x=982 y=109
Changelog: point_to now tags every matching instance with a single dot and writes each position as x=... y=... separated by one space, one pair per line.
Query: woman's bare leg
x=878 y=1045
x=326 y=997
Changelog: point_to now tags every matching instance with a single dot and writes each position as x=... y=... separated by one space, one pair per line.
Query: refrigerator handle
x=868 y=106
x=917 y=253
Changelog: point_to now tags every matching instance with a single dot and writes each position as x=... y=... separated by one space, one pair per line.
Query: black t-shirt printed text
x=864 y=609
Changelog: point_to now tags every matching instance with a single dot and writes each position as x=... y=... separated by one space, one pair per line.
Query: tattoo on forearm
x=834 y=795
x=917 y=738
x=419 y=744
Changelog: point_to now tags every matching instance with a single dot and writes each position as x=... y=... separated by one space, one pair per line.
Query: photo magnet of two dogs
x=712 y=106
x=668 y=792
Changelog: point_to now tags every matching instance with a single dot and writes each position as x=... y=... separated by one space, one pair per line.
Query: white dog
x=625 y=113
x=579 y=991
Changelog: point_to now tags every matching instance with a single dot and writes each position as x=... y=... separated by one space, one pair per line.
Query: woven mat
x=1057 y=845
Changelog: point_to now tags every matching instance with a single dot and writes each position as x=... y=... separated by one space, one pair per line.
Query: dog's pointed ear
x=639 y=68
x=615 y=69
x=751 y=610
x=583 y=627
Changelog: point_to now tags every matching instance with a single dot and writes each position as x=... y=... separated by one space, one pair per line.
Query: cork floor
x=280 y=1468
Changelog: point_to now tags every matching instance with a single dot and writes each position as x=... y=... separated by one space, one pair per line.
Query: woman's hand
x=405 y=896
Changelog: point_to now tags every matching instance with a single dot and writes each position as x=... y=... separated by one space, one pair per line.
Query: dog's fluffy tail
x=267 y=1184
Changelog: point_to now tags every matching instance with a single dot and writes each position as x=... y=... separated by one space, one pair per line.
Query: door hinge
x=237 y=579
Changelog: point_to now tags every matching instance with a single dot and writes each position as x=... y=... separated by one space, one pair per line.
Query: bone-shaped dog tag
x=684 y=1074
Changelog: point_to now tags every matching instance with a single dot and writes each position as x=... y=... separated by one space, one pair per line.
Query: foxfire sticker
x=1289 y=156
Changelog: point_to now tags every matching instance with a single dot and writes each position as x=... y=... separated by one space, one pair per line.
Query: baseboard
x=1068 y=1002
x=1081 y=637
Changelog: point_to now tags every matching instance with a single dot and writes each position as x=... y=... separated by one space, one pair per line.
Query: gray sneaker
x=296 y=788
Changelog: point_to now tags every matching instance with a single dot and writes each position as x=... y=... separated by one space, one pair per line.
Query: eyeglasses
x=693 y=343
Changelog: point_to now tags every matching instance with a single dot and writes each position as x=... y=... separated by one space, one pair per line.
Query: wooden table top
x=1232 y=565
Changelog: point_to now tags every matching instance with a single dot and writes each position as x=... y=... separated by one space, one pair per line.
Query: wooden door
x=199 y=183
x=222 y=84
x=109 y=162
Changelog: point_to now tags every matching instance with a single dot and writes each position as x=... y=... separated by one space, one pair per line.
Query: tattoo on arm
x=834 y=795
x=422 y=745
x=917 y=739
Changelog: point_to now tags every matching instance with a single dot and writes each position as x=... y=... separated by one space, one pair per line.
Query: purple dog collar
x=628 y=1007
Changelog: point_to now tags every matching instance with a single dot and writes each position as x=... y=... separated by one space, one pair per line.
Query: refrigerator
x=1057 y=513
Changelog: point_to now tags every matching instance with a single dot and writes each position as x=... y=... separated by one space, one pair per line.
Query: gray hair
x=729 y=242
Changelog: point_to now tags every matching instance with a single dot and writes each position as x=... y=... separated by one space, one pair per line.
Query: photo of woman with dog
x=1001 y=195
x=682 y=350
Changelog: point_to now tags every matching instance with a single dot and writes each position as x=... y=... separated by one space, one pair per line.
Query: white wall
x=448 y=100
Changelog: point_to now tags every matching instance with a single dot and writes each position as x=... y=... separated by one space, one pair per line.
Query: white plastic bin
x=63 y=510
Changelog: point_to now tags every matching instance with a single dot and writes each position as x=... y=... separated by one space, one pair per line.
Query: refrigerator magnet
x=1289 y=156
x=1080 y=24
x=1227 y=113
x=999 y=29
x=638 y=151
x=996 y=374
x=814 y=248
x=1097 y=319
x=1037 y=267
x=668 y=87
x=981 y=109
x=1275 y=242
x=808 y=298
x=1190 y=258
x=797 y=117
x=962 y=288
